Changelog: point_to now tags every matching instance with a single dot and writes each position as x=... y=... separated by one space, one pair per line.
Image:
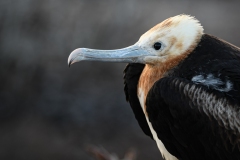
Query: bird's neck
x=149 y=76
x=152 y=73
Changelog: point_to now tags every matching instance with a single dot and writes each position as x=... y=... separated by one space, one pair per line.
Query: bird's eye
x=157 y=46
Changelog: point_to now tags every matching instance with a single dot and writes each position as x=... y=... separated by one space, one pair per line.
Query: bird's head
x=171 y=38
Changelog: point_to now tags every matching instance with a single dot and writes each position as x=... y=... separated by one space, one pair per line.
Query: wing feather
x=132 y=73
x=192 y=121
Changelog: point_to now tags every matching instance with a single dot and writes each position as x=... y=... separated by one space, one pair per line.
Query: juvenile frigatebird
x=184 y=88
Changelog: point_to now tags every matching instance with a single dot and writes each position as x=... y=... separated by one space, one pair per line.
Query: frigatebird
x=184 y=88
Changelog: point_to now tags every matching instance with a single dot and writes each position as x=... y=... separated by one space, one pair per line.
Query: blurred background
x=50 y=111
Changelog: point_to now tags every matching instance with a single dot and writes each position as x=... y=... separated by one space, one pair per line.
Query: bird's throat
x=153 y=73
x=149 y=76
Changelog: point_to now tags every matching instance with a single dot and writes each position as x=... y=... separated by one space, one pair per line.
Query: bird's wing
x=193 y=121
x=132 y=73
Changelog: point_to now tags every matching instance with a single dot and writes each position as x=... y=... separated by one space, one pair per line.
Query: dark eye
x=157 y=46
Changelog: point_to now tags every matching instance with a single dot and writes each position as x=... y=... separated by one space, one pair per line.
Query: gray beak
x=131 y=54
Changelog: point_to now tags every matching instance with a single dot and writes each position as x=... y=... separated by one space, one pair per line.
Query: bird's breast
x=149 y=76
x=152 y=73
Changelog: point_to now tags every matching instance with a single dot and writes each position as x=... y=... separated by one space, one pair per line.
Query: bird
x=183 y=86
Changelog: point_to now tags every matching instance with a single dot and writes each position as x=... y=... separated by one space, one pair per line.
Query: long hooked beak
x=131 y=54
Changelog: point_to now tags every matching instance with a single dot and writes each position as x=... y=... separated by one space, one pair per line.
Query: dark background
x=48 y=111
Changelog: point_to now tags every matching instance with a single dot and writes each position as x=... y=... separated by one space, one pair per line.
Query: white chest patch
x=213 y=82
x=166 y=155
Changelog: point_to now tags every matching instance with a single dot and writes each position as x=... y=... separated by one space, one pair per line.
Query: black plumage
x=131 y=77
x=194 y=119
x=183 y=87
